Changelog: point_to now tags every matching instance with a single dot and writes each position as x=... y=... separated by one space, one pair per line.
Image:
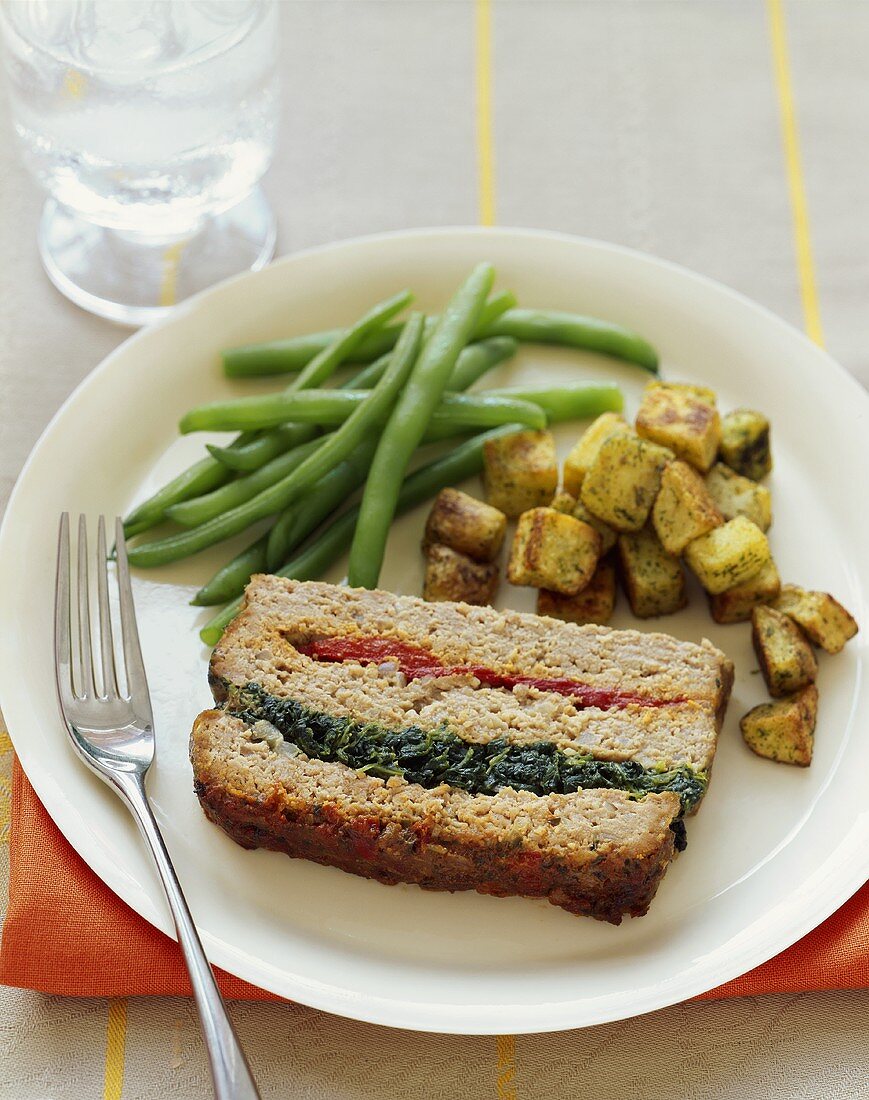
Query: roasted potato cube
x=821 y=617
x=520 y=471
x=563 y=502
x=728 y=555
x=623 y=481
x=736 y=495
x=465 y=524
x=783 y=731
x=594 y=604
x=735 y=605
x=585 y=450
x=608 y=536
x=450 y=575
x=745 y=443
x=787 y=661
x=683 y=509
x=653 y=579
x=553 y=550
x=683 y=418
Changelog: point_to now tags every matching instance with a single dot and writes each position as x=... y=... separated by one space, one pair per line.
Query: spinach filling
x=432 y=757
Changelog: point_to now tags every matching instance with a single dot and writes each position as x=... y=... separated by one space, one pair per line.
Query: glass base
x=135 y=279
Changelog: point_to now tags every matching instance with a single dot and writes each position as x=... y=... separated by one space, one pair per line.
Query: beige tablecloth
x=660 y=125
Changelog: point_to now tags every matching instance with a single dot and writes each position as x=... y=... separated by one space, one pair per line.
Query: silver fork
x=113 y=732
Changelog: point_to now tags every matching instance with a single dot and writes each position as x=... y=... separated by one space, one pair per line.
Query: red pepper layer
x=417 y=663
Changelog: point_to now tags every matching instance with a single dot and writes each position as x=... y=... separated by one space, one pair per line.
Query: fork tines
x=74 y=651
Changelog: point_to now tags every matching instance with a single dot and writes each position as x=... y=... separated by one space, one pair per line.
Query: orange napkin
x=64 y=924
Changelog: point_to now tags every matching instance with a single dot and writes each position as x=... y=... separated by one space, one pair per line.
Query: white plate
x=774 y=850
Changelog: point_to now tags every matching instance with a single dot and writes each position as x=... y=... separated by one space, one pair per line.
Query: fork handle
x=230 y=1072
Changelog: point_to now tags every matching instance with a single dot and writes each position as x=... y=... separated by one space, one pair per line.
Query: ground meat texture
x=260 y=647
x=599 y=853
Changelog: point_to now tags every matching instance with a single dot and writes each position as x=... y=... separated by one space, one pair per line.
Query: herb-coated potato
x=450 y=575
x=787 y=661
x=683 y=418
x=735 y=605
x=683 y=509
x=584 y=451
x=821 y=617
x=553 y=550
x=594 y=604
x=728 y=555
x=784 y=731
x=565 y=502
x=623 y=481
x=520 y=471
x=653 y=579
x=465 y=524
x=745 y=445
x=736 y=495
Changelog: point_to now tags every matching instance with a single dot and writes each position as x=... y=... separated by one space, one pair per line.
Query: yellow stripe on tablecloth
x=5 y=784
x=793 y=165
x=505 y=1044
x=485 y=150
x=116 y=1041
x=506 y=1047
x=169 y=285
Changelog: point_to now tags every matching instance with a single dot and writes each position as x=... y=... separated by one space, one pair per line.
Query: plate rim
x=441 y=1017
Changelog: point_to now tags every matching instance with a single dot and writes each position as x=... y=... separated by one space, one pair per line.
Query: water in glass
x=144 y=115
x=148 y=121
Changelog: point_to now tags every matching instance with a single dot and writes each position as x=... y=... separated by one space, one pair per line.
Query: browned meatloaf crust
x=595 y=852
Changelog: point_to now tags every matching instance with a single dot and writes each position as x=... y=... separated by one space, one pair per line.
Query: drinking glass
x=150 y=125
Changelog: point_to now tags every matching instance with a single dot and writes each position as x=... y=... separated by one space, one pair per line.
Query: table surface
x=723 y=136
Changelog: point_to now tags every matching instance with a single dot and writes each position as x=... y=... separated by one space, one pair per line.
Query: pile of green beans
x=209 y=473
x=273 y=549
x=408 y=422
x=473 y=363
x=303 y=452
x=367 y=416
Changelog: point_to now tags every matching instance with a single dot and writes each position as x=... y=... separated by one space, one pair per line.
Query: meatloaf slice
x=593 y=852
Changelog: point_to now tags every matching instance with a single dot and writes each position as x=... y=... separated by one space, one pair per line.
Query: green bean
x=211 y=473
x=332 y=407
x=294 y=353
x=286 y=356
x=549 y=326
x=231 y=580
x=463 y=412
x=408 y=422
x=462 y=463
x=365 y=419
x=260 y=450
x=559 y=403
x=190 y=513
x=201 y=477
x=479 y=358
x=327 y=407
x=296 y=523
